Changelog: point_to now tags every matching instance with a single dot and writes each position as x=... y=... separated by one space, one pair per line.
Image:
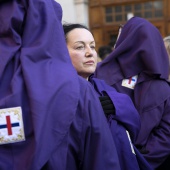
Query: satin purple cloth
x=124 y=125
x=64 y=123
x=140 y=51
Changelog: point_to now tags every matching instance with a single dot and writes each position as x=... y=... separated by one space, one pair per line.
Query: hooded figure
x=49 y=117
x=139 y=67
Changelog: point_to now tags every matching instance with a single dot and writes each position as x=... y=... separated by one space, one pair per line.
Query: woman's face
x=81 y=47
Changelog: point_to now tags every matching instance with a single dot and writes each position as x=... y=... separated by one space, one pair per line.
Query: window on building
x=120 y=13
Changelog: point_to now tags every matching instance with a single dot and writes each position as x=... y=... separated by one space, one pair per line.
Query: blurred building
x=104 y=17
x=75 y=11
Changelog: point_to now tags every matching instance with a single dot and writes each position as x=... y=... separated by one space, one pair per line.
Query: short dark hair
x=67 y=27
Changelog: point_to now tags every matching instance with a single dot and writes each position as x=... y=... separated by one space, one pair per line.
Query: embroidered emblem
x=130 y=83
x=11 y=125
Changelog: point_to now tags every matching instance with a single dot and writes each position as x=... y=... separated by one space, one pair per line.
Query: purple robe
x=124 y=126
x=89 y=143
x=140 y=51
x=64 y=123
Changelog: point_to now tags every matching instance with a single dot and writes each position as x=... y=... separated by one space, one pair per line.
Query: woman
x=139 y=67
x=167 y=46
x=122 y=117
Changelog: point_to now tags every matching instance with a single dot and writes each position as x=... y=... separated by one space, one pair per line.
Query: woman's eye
x=80 y=47
x=93 y=47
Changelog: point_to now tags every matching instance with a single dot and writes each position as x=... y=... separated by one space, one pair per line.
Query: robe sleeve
x=154 y=135
x=96 y=149
x=158 y=145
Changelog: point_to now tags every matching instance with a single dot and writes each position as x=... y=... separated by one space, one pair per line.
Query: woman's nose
x=89 y=52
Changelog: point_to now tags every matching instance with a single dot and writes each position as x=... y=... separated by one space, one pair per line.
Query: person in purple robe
x=122 y=117
x=50 y=118
x=139 y=67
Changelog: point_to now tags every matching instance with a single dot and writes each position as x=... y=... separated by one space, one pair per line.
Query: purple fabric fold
x=139 y=49
x=36 y=73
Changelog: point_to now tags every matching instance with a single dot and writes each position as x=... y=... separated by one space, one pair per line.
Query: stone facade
x=75 y=11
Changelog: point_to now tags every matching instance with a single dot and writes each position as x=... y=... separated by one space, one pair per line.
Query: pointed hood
x=139 y=50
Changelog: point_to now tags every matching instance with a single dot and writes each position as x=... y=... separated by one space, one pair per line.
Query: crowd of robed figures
x=67 y=122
